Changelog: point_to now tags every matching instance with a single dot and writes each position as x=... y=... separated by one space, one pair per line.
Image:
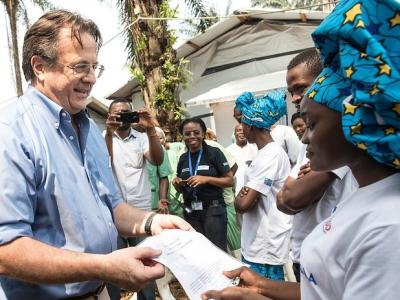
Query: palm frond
x=270 y=3
x=43 y=4
x=22 y=14
x=198 y=9
x=286 y=3
x=126 y=10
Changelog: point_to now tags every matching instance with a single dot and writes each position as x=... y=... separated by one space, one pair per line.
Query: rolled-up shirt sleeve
x=17 y=185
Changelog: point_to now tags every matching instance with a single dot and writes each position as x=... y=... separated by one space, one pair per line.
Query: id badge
x=197 y=205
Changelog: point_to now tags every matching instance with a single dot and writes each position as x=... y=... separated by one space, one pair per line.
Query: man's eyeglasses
x=84 y=69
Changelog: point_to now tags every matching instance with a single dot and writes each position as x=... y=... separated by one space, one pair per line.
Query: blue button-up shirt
x=53 y=188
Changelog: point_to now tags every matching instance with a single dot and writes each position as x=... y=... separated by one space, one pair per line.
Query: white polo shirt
x=306 y=220
x=266 y=230
x=243 y=156
x=130 y=168
x=354 y=255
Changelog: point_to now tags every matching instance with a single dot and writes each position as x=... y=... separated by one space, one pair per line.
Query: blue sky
x=112 y=55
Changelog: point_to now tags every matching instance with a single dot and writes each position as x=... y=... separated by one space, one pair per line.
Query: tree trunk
x=11 y=7
x=153 y=48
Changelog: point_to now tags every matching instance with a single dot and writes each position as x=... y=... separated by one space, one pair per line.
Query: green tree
x=16 y=9
x=153 y=60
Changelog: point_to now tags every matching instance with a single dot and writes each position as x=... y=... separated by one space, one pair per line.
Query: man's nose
x=296 y=99
x=90 y=77
x=304 y=138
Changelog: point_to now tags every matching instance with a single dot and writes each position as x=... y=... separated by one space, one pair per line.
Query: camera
x=128 y=117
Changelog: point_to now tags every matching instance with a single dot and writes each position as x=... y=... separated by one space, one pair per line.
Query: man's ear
x=38 y=66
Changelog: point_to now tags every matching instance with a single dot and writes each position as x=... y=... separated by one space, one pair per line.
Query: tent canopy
x=230 y=91
x=241 y=47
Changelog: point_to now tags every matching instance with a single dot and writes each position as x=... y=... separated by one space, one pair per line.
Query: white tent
x=259 y=85
x=238 y=54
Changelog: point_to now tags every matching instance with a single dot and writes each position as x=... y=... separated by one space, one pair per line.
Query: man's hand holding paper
x=194 y=260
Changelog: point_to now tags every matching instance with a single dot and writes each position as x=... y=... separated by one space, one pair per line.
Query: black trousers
x=212 y=222
x=296 y=271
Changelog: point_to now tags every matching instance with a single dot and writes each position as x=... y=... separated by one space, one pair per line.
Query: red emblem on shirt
x=327 y=226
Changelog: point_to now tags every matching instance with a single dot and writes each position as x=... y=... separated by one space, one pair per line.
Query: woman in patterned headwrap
x=265 y=230
x=352 y=112
x=355 y=102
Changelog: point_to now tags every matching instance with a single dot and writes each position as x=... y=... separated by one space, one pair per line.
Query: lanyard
x=194 y=173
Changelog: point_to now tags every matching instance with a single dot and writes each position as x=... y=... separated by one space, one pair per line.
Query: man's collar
x=131 y=134
x=57 y=112
x=243 y=145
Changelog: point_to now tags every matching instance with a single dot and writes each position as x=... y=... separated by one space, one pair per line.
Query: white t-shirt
x=300 y=161
x=130 y=168
x=266 y=230
x=243 y=156
x=288 y=139
x=306 y=220
x=354 y=255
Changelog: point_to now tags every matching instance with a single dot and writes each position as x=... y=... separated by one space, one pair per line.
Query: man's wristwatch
x=149 y=221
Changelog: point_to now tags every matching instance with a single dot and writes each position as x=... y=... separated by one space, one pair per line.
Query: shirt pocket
x=134 y=160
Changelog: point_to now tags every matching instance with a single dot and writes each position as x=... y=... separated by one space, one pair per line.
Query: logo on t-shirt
x=310 y=277
x=268 y=182
x=327 y=226
x=203 y=168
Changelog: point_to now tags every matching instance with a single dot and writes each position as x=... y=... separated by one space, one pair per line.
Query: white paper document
x=195 y=261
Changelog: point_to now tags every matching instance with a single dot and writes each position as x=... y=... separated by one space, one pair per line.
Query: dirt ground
x=175 y=287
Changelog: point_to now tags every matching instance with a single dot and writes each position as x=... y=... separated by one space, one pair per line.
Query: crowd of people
x=321 y=194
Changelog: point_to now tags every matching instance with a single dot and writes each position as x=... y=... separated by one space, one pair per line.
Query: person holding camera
x=129 y=150
x=202 y=173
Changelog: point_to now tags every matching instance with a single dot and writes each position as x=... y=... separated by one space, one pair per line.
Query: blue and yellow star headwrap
x=360 y=46
x=264 y=111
